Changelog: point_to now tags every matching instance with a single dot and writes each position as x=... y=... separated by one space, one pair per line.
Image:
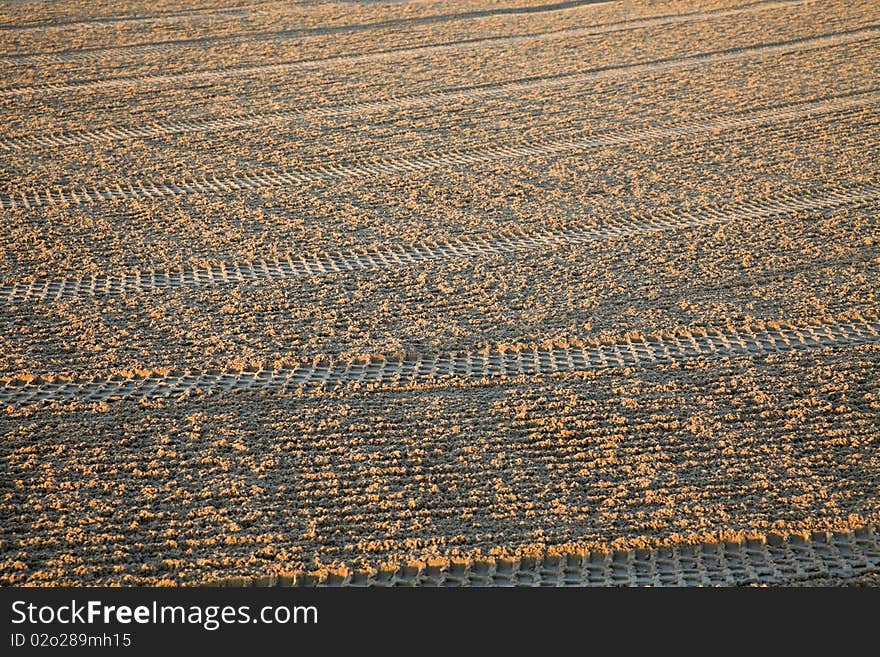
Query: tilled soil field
x=440 y=293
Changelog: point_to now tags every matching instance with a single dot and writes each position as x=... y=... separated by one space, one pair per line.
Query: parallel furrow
x=482 y=366
x=768 y=560
x=160 y=129
x=111 y=52
x=136 y=189
x=404 y=256
x=389 y=54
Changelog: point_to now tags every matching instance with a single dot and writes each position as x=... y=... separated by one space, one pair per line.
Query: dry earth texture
x=440 y=292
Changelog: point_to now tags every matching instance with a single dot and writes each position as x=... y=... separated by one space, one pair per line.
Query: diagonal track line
x=400 y=256
x=392 y=54
x=112 y=51
x=252 y=8
x=771 y=559
x=173 y=16
x=282 y=178
x=483 y=366
x=181 y=126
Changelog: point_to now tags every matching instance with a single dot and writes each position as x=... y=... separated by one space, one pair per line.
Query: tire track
x=109 y=52
x=249 y=10
x=388 y=54
x=166 y=128
x=772 y=559
x=25 y=199
x=484 y=366
x=399 y=256
x=102 y=53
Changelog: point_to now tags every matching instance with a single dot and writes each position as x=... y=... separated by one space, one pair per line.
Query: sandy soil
x=238 y=188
